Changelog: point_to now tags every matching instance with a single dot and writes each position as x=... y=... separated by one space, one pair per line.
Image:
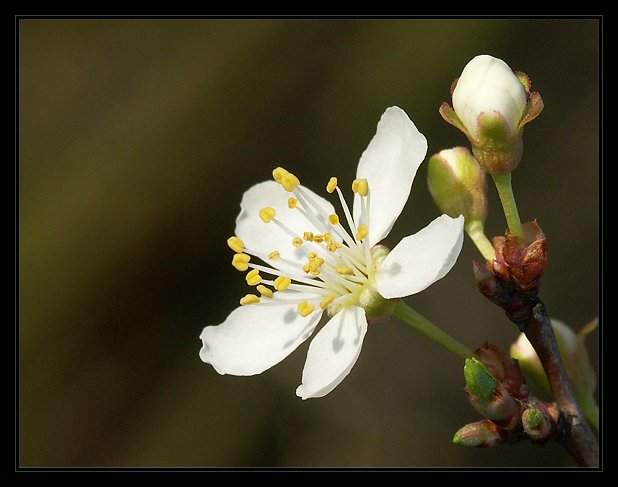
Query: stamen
x=333 y=219
x=264 y=291
x=292 y=202
x=297 y=242
x=344 y=270
x=360 y=186
x=249 y=299
x=349 y=240
x=253 y=277
x=333 y=246
x=362 y=232
x=278 y=174
x=326 y=301
x=240 y=261
x=308 y=236
x=332 y=184
x=274 y=255
x=289 y=182
x=282 y=283
x=305 y=309
x=236 y=244
x=267 y=214
x=317 y=238
x=275 y=272
x=306 y=206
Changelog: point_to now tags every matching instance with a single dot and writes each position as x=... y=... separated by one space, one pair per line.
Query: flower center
x=338 y=269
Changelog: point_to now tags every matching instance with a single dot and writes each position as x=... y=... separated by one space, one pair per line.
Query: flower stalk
x=507 y=198
x=418 y=322
x=476 y=231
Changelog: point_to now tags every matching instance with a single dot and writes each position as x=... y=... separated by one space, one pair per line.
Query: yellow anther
x=289 y=181
x=297 y=242
x=333 y=246
x=278 y=174
x=236 y=244
x=292 y=202
x=333 y=219
x=253 y=277
x=308 y=236
x=306 y=268
x=344 y=270
x=328 y=237
x=326 y=301
x=312 y=255
x=267 y=214
x=240 y=261
x=274 y=255
x=362 y=232
x=332 y=184
x=314 y=271
x=360 y=186
x=249 y=299
x=282 y=283
x=264 y=291
x=317 y=238
x=318 y=261
x=305 y=309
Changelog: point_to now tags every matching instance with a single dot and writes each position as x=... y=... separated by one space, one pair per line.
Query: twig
x=578 y=438
x=527 y=311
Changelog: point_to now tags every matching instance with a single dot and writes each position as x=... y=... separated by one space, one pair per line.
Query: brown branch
x=511 y=281
x=578 y=438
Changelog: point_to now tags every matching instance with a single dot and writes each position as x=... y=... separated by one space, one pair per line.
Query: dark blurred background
x=137 y=141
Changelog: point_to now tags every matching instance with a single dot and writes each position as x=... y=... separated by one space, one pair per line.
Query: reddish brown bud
x=521 y=260
x=504 y=369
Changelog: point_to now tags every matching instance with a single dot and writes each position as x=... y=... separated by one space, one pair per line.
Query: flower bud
x=491 y=106
x=482 y=434
x=457 y=184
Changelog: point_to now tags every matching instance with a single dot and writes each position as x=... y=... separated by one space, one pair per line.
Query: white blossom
x=317 y=261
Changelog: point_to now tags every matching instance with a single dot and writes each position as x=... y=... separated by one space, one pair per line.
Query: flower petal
x=333 y=352
x=421 y=259
x=389 y=164
x=254 y=338
x=263 y=238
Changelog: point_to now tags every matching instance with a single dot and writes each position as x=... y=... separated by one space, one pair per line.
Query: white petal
x=254 y=338
x=421 y=259
x=333 y=352
x=389 y=164
x=263 y=238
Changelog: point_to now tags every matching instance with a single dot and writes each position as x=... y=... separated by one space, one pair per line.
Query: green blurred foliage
x=137 y=139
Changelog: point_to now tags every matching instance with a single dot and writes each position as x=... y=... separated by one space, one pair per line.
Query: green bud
x=482 y=434
x=457 y=184
x=536 y=425
x=489 y=397
x=479 y=382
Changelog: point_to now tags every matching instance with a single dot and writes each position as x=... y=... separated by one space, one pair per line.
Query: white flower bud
x=487 y=84
x=491 y=106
